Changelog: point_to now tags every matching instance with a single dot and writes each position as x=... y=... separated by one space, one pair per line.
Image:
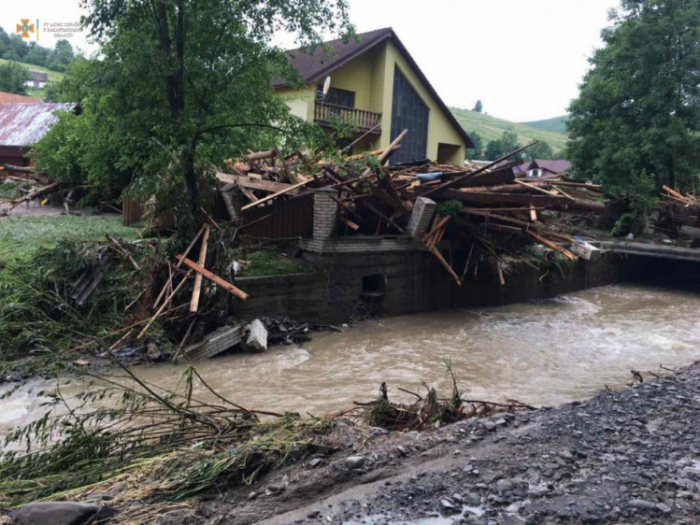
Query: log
x=194 y=302
x=163 y=306
x=539 y=201
x=46 y=190
x=262 y=155
x=122 y=250
x=490 y=178
x=20 y=169
x=213 y=278
x=449 y=269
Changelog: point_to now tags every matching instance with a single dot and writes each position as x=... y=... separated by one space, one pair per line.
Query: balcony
x=365 y=120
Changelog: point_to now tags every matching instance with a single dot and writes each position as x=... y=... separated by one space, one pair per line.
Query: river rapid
x=542 y=353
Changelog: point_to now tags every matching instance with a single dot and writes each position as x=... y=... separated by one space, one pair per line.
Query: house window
x=339 y=97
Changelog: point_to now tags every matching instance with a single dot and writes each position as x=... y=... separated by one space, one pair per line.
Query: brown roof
x=329 y=56
x=11 y=98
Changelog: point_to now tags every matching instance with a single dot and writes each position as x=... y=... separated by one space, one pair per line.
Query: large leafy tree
x=507 y=143
x=182 y=83
x=12 y=78
x=635 y=124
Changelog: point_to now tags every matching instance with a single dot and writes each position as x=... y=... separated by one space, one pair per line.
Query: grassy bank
x=21 y=236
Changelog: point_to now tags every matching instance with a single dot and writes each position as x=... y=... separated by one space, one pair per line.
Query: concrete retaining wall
x=411 y=282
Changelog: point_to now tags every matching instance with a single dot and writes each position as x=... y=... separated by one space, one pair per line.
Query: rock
x=490 y=426
x=641 y=504
x=257 y=336
x=275 y=489
x=474 y=499
x=314 y=514
x=153 y=352
x=448 y=507
x=355 y=462
x=664 y=508
x=504 y=485
x=253 y=495
x=56 y=513
x=458 y=498
x=315 y=462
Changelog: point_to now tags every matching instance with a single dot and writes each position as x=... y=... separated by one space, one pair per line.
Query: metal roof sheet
x=25 y=124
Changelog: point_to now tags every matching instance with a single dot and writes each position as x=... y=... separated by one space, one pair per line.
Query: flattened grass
x=22 y=235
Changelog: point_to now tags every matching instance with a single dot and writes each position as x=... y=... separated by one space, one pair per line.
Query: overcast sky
x=523 y=58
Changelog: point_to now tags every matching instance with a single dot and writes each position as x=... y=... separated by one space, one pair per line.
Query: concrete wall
x=414 y=282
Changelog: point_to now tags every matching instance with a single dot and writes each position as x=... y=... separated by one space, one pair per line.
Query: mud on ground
x=627 y=457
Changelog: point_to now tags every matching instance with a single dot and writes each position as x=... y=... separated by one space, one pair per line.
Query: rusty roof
x=11 y=98
x=25 y=124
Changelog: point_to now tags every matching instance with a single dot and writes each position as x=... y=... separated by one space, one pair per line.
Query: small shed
x=22 y=126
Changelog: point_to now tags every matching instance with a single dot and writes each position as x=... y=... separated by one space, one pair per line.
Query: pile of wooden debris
x=677 y=216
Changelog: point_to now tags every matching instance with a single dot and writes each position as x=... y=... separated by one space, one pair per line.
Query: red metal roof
x=11 y=98
x=25 y=124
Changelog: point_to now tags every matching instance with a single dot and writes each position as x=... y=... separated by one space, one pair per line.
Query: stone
x=642 y=504
x=474 y=499
x=275 y=489
x=664 y=508
x=55 y=513
x=315 y=462
x=490 y=426
x=447 y=506
x=257 y=336
x=504 y=485
x=355 y=462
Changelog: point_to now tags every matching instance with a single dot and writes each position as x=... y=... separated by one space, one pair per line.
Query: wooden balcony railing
x=365 y=120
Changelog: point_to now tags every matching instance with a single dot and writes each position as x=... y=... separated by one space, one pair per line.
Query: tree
x=502 y=146
x=61 y=56
x=635 y=124
x=182 y=84
x=12 y=78
x=477 y=151
x=541 y=150
x=478 y=107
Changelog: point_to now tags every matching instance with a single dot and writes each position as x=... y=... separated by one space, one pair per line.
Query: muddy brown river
x=542 y=353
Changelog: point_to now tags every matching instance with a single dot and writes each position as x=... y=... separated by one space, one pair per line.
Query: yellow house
x=376 y=84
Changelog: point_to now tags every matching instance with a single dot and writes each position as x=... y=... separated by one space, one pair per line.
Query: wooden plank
x=533 y=213
x=253 y=184
x=536 y=188
x=569 y=255
x=194 y=302
x=213 y=277
x=163 y=306
x=274 y=195
x=490 y=178
x=449 y=269
x=539 y=201
x=185 y=254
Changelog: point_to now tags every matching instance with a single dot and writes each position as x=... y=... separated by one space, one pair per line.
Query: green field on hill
x=490 y=128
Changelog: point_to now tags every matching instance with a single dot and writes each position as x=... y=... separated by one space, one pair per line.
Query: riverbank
x=631 y=456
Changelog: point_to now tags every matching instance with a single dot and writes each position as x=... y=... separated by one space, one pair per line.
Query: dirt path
x=630 y=457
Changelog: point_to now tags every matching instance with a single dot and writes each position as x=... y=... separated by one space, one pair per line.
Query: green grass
x=8 y=190
x=23 y=235
x=556 y=124
x=491 y=128
x=269 y=261
x=53 y=75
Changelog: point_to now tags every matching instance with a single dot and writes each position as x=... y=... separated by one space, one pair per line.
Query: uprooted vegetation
x=140 y=441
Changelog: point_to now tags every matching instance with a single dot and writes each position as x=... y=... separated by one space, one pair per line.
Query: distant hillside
x=556 y=124
x=490 y=128
x=54 y=76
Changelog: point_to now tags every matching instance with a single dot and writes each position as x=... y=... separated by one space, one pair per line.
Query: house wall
x=371 y=77
x=439 y=128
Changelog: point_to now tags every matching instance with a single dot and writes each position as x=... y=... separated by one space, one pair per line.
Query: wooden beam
x=194 y=302
x=569 y=255
x=274 y=195
x=253 y=184
x=449 y=269
x=539 y=201
x=185 y=254
x=213 y=277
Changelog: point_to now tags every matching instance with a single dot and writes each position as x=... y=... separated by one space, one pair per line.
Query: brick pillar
x=233 y=198
x=422 y=213
x=325 y=213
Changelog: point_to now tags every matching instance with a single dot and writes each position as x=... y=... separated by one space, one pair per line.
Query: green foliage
x=478 y=107
x=14 y=47
x=639 y=107
x=451 y=207
x=269 y=261
x=500 y=147
x=169 y=99
x=477 y=152
x=541 y=150
x=12 y=78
